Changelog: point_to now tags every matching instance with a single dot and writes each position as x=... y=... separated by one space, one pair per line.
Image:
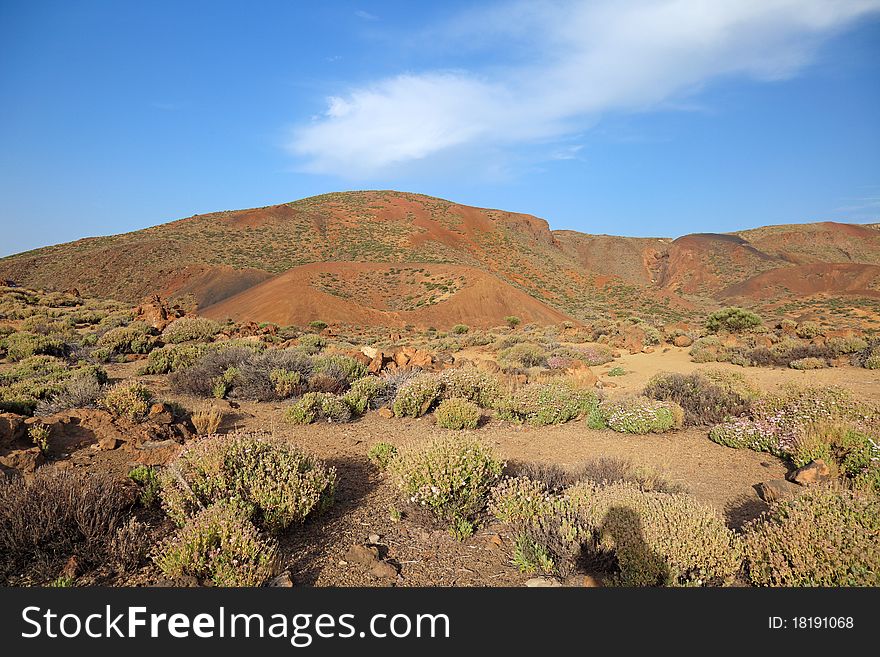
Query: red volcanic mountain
x=391 y=259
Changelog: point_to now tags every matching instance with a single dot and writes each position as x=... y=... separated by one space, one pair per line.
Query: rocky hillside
x=438 y=261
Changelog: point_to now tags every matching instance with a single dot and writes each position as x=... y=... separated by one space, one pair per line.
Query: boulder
x=777 y=490
x=814 y=472
x=25 y=461
x=384 y=570
x=161 y=413
x=12 y=429
x=363 y=555
x=682 y=341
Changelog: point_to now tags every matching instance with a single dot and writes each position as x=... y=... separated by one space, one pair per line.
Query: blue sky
x=648 y=117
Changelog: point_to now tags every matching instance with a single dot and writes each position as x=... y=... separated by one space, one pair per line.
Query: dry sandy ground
x=315 y=553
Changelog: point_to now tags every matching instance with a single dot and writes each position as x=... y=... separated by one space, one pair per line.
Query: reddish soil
x=807 y=280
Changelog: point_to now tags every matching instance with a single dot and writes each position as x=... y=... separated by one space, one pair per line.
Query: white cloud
x=574 y=61
x=365 y=15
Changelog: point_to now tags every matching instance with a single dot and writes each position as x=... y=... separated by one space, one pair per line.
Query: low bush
x=704 y=401
x=846 y=345
x=869 y=357
x=172 y=358
x=600 y=470
x=457 y=414
x=40 y=378
x=206 y=421
x=315 y=406
x=136 y=338
x=808 y=330
x=213 y=370
x=190 y=329
x=128 y=400
x=54 y=514
x=657 y=539
x=460 y=329
x=381 y=454
x=221 y=546
x=522 y=356
x=341 y=368
x=366 y=393
x=147 y=479
x=732 y=320
x=472 y=384
x=512 y=321
x=825 y=537
x=417 y=395
x=808 y=363
x=554 y=402
x=448 y=477
x=311 y=343
x=640 y=415
x=271 y=376
x=80 y=390
x=22 y=345
x=274 y=481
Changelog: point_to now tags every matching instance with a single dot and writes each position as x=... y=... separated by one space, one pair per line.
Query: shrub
x=317 y=325
x=344 y=369
x=274 y=481
x=40 y=378
x=869 y=357
x=472 y=384
x=22 y=345
x=512 y=321
x=80 y=390
x=457 y=414
x=381 y=454
x=207 y=420
x=776 y=422
x=554 y=402
x=808 y=363
x=135 y=338
x=190 y=329
x=274 y=375
x=219 y=545
x=39 y=435
x=129 y=400
x=808 y=330
x=147 y=479
x=522 y=355
x=706 y=349
x=617 y=371
x=732 y=320
x=314 y=406
x=417 y=395
x=657 y=538
x=448 y=477
x=210 y=373
x=311 y=343
x=57 y=513
x=824 y=537
x=640 y=415
x=460 y=329
x=846 y=345
x=704 y=402
x=172 y=358
x=365 y=393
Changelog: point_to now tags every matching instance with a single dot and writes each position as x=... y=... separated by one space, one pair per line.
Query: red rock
x=25 y=461
x=815 y=471
x=682 y=341
x=12 y=429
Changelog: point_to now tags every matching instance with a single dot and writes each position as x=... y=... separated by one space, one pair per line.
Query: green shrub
x=706 y=349
x=274 y=481
x=364 y=392
x=22 y=345
x=512 y=321
x=460 y=329
x=39 y=435
x=640 y=415
x=808 y=363
x=172 y=358
x=657 y=538
x=824 y=537
x=732 y=320
x=808 y=330
x=148 y=480
x=457 y=414
x=472 y=384
x=314 y=406
x=135 y=338
x=846 y=345
x=40 y=378
x=704 y=401
x=554 y=402
x=381 y=454
x=129 y=400
x=616 y=371
x=221 y=546
x=311 y=343
x=190 y=329
x=448 y=477
x=417 y=395
x=522 y=355
x=343 y=368
x=317 y=325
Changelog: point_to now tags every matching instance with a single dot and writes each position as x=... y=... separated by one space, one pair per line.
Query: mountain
x=391 y=258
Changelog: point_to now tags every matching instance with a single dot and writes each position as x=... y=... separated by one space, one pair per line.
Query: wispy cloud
x=577 y=60
x=365 y=15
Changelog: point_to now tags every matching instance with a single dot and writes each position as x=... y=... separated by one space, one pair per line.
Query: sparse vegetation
x=128 y=400
x=457 y=413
